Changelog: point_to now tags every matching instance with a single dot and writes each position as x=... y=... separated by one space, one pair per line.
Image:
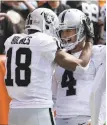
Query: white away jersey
x=73 y=91
x=30 y=64
x=98 y=95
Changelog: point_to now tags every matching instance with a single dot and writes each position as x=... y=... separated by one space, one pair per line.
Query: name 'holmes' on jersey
x=30 y=58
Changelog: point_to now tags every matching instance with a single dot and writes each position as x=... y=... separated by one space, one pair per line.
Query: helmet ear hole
x=47 y=27
x=60 y=33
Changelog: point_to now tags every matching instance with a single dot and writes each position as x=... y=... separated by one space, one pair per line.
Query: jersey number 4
x=69 y=81
x=20 y=66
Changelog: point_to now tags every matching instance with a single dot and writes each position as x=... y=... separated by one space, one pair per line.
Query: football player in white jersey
x=30 y=63
x=98 y=95
x=72 y=89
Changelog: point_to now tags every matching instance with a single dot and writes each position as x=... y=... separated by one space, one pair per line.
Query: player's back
x=29 y=69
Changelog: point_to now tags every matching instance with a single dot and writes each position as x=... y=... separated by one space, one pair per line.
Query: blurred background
x=13 y=14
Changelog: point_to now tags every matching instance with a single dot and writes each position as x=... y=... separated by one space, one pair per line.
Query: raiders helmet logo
x=48 y=18
x=29 y=19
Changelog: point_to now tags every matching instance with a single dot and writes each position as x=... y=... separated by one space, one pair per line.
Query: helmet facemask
x=67 y=42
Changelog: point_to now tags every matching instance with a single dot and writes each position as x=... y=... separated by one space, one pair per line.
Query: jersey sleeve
x=54 y=89
x=8 y=40
x=49 y=49
x=98 y=55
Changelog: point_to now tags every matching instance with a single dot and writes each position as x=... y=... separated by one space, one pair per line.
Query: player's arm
x=70 y=62
x=54 y=91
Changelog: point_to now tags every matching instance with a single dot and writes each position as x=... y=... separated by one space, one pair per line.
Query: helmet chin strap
x=70 y=46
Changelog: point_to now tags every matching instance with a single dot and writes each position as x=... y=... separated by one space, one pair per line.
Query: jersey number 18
x=20 y=66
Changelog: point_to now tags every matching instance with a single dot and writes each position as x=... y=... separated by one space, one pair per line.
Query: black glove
x=88 y=25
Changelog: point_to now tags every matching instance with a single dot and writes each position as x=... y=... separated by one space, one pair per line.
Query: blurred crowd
x=13 y=15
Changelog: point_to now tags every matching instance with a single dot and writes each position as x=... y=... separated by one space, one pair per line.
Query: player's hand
x=88 y=29
x=89 y=122
x=3 y=16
